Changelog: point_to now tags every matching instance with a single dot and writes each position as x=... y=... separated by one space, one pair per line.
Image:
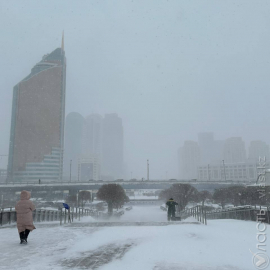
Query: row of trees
x=241 y=195
x=113 y=194
x=83 y=197
x=183 y=194
x=236 y=195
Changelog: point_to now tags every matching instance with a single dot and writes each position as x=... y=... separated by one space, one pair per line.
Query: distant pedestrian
x=24 y=209
x=170 y=204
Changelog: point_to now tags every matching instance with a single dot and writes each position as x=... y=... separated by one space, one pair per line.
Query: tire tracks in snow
x=101 y=256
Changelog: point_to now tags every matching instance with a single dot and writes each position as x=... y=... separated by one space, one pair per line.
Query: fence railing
x=252 y=213
x=197 y=212
x=43 y=215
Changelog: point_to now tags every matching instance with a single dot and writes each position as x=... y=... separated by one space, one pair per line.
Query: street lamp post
x=70 y=170
x=148 y=169
x=224 y=170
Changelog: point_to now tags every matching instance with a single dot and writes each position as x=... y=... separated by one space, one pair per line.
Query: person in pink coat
x=24 y=209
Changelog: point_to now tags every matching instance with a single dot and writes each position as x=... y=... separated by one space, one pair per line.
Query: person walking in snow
x=170 y=204
x=24 y=209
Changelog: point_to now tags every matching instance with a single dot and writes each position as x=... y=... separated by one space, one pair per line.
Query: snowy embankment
x=222 y=244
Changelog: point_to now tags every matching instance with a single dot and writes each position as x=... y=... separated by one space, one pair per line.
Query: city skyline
x=210 y=159
x=151 y=70
x=93 y=147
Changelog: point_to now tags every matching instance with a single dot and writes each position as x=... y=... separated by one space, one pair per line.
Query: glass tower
x=37 y=122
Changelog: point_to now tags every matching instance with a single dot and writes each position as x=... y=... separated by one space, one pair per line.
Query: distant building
x=92 y=136
x=218 y=151
x=207 y=147
x=211 y=150
x=37 y=123
x=234 y=150
x=95 y=146
x=258 y=149
x=235 y=172
x=73 y=144
x=3 y=175
x=89 y=169
x=189 y=159
x=113 y=147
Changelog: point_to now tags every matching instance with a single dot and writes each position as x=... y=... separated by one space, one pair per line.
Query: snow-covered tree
x=114 y=195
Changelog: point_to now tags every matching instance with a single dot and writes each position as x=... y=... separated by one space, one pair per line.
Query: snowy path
x=222 y=245
x=144 y=214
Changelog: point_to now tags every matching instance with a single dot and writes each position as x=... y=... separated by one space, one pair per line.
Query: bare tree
x=83 y=197
x=221 y=196
x=203 y=196
x=181 y=193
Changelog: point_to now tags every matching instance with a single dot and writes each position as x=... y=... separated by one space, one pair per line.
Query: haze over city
x=170 y=72
x=134 y=134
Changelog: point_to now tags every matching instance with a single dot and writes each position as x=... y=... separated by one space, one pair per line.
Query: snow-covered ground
x=91 y=244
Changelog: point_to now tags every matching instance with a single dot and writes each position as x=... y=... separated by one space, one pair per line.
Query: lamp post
x=148 y=169
x=224 y=170
x=70 y=170
x=208 y=167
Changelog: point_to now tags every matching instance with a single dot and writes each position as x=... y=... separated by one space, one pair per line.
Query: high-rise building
x=73 y=144
x=189 y=159
x=207 y=147
x=258 y=149
x=113 y=147
x=218 y=151
x=92 y=137
x=234 y=150
x=37 y=123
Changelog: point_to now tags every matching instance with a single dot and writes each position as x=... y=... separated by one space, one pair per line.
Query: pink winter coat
x=24 y=209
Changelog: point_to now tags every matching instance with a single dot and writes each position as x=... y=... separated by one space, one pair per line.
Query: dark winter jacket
x=171 y=205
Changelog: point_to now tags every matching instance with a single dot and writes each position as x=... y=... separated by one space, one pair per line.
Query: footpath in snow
x=221 y=245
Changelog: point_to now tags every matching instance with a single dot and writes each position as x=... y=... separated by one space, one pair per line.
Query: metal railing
x=251 y=213
x=197 y=212
x=43 y=215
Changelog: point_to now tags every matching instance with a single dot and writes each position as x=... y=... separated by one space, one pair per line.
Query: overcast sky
x=170 y=69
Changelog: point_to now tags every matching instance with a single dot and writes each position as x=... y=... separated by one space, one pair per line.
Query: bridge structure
x=72 y=188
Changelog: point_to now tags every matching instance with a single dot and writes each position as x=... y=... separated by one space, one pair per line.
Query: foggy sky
x=170 y=69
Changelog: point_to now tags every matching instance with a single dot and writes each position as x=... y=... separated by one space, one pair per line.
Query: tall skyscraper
x=189 y=159
x=113 y=146
x=73 y=144
x=258 y=149
x=37 y=123
x=234 y=150
x=92 y=136
x=207 y=146
x=90 y=161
